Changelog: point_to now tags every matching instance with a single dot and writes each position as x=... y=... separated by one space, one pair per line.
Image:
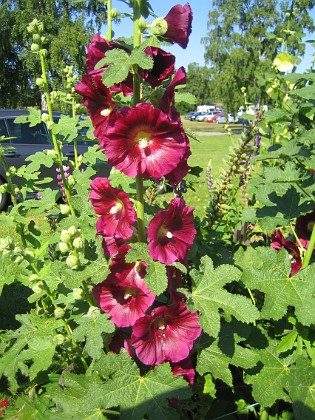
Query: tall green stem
x=309 y=251
x=109 y=21
x=137 y=39
x=54 y=138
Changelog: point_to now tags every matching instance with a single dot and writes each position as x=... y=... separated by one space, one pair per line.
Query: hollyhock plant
x=176 y=25
x=167 y=334
x=117 y=215
x=278 y=242
x=304 y=227
x=142 y=140
x=166 y=103
x=124 y=294
x=171 y=232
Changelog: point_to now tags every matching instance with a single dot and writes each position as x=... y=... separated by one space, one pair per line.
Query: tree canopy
x=243 y=39
x=68 y=27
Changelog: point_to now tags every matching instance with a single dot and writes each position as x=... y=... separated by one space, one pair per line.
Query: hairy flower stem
x=54 y=138
x=109 y=21
x=309 y=251
x=136 y=99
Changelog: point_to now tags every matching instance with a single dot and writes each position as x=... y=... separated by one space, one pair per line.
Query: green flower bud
x=159 y=26
x=64 y=247
x=51 y=153
x=45 y=117
x=39 y=82
x=77 y=293
x=71 y=181
x=34 y=277
x=38 y=287
x=59 y=339
x=73 y=231
x=43 y=39
x=59 y=313
x=72 y=261
x=34 y=47
x=44 y=52
x=36 y=38
x=64 y=209
x=78 y=244
x=4 y=188
x=65 y=236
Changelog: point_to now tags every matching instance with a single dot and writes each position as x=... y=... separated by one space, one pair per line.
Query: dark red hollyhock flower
x=167 y=334
x=179 y=20
x=96 y=97
x=124 y=294
x=278 y=242
x=163 y=66
x=184 y=368
x=171 y=232
x=177 y=174
x=117 y=216
x=304 y=227
x=96 y=51
x=142 y=140
x=167 y=102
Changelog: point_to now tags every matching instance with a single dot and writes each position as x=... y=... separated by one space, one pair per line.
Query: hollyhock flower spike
x=117 y=215
x=176 y=25
x=168 y=334
x=278 y=242
x=124 y=294
x=171 y=232
x=304 y=227
x=142 y=140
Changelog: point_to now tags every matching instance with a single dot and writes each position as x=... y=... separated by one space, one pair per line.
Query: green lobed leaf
x=156 y=277
x=121 y=62
x=224 y=351
x=268 y=270
x=208 y=296
x=269 y=383
x=301 y=387
x=11 y=271
x=91 y=329
x=138 y=394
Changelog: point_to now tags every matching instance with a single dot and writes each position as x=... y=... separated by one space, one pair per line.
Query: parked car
x=201 y=116
x=213 y=116
x=25 y=140
x=223 y=120
x=189 y=114
x=195 y=115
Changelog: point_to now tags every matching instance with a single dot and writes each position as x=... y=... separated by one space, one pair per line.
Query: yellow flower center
x=143 y=139
x=116 y=208
x=129 y=292
x=164 y=232
x=105 y=112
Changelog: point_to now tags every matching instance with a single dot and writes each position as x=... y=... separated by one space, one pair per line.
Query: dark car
x=24 y=140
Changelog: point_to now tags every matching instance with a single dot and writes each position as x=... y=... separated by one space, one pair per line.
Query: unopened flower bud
x=38 y=287
x=72 y=261
x=78 y=243
x=33 y=277
x=45 y=117
x=77 y=293
x=64 y=247
x=59 y=313
x=65 y=236
x=59 y=339
x=35 y=47
x=44 y=52
x=73 y=231
x=159 y=26
x=64 y=209
x=39 y=82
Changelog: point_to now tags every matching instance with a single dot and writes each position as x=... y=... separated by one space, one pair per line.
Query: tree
x=243 y=40
x=68 y=27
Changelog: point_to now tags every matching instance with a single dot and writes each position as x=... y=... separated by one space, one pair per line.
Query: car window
x=24 y=134
x=3 y=129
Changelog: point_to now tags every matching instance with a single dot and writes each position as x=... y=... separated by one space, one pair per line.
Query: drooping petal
x=163 y=66
x=179 y=20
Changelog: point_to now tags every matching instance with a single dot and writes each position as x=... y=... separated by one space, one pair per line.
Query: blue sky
x=195 y=50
